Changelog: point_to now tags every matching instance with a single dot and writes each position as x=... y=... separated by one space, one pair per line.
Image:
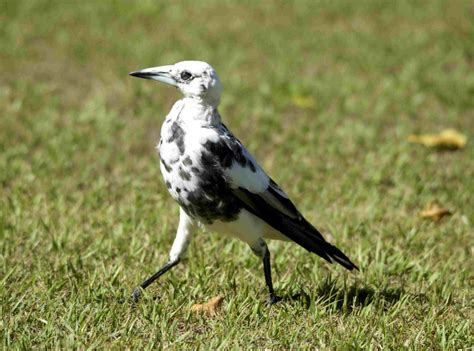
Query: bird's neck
x=200 y=111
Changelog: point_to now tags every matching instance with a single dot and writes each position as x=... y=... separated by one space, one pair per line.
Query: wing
x=260 y=195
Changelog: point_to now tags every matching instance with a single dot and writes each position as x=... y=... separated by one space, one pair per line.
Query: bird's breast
x=200 y=189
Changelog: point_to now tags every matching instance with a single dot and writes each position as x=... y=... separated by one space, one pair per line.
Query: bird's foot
x=272 y=299
x=137 y=293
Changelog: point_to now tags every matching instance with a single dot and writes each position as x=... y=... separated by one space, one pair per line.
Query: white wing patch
x=244 y=177
x=257 y=182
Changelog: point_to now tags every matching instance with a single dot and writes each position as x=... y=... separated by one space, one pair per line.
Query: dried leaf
x=448 y=138
x=434 y=211
x=210 y=307
x=305 y=102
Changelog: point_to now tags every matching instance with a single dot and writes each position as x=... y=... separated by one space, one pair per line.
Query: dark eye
x=185 y=75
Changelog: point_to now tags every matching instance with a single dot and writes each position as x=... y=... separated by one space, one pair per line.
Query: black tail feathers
x=340 y=258
x=306 y=235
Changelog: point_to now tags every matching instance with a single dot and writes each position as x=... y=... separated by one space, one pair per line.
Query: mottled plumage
x=216 y=182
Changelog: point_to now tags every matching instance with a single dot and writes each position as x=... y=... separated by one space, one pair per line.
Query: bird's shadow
x=346 y=299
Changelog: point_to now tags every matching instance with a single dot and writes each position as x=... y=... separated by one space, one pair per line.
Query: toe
x=136 y=295
x=272 y=299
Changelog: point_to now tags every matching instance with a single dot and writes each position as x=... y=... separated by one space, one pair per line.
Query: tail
x=307 y=236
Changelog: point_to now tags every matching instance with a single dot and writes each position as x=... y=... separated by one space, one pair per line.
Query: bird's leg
x=185 y=229
x=138 y=291
x=263 y=252
x=272 y=298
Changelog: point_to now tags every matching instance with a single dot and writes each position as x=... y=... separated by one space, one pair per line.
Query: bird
x=217 y=182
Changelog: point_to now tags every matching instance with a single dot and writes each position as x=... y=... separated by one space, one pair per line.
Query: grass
x=324 y=93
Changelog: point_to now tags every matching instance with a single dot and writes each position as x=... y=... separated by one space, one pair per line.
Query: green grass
x=85 y=216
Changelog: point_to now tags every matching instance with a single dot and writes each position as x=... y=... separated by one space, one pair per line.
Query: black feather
x=297 y=229
x=271 y=206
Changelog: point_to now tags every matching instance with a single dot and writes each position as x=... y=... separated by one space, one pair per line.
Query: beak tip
x=140 y=74
x=161 y=74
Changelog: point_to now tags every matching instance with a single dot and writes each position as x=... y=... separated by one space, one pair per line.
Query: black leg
x=138 y=291
x=272 y=298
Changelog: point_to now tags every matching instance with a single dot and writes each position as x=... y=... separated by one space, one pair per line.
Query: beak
x=161 y=74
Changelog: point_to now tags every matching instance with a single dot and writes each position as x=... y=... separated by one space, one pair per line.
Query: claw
x=137 y=293
x=272 y=299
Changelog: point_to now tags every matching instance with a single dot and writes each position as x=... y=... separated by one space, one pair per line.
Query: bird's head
x=195 y=79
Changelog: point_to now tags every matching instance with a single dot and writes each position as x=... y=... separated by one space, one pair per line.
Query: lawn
x=324 y=93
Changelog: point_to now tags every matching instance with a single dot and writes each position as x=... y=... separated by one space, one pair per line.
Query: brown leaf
x=210 y=306
x=434 y=211
x=448 y=138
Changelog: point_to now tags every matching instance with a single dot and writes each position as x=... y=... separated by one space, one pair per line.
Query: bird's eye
x=185 y=75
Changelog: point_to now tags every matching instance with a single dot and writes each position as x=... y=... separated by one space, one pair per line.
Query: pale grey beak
x=161 y=74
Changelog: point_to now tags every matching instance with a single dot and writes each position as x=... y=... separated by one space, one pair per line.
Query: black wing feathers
x=297 y=229
x=273 y=206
